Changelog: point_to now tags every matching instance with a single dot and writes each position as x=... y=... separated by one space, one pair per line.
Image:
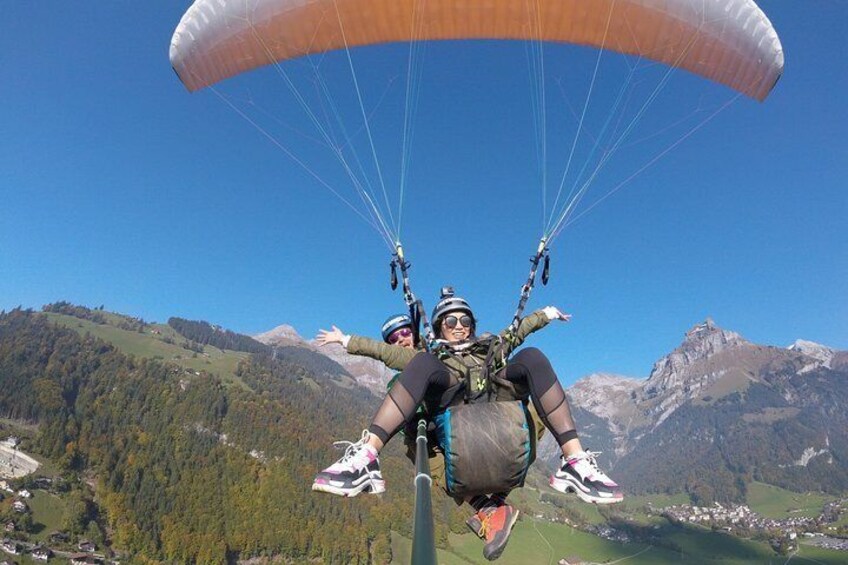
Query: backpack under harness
x=487 y=435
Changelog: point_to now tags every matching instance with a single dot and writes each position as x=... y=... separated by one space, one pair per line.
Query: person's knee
x=538 y=369
x=421 y=372
x=532 y=358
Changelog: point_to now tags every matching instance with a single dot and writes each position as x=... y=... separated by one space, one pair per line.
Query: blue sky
x=117 y=187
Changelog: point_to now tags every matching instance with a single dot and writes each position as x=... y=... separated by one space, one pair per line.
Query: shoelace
x=484 y=523
x=590 y=457
x=352 y=447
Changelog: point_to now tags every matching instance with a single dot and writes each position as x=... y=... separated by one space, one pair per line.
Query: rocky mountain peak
x=281 y=335
x=680 y=374
x=817 y=351
x=703 y=340
x=606 y=380
x=707 y=338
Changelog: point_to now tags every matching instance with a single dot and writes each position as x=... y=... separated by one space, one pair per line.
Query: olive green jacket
x=466 y=361
x=393 y=356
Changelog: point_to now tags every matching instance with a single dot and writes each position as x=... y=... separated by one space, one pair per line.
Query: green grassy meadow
x=47 y=510
x=530 y=500
x=775 y=502
x=812 y=554
x=544 y=543
x=656 y=500
x=402 y=552
x=151 y=345
x=636 y=508
x=541 y=542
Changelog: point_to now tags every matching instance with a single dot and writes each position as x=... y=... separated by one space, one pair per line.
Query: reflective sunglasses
x=397 y=334
x=465 y=321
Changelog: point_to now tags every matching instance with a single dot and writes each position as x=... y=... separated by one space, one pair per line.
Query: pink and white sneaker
x=580 y=474
x=358 y=470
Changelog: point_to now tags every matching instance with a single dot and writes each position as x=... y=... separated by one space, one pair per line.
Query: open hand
x=555 y=313
x=333 y=336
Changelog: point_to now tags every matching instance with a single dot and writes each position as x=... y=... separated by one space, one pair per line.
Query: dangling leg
x=359 y=469
x=423 y=375
x=492 y=522
x=530 y=366
x=579 y=471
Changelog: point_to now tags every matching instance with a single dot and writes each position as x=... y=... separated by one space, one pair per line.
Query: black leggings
x=426 y=378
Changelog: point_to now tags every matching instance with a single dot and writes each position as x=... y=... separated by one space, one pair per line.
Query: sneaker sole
x=372 y=487
x=566 y=486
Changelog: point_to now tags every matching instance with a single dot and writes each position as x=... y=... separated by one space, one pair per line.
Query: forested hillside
x=206 y=334
x=188 y=469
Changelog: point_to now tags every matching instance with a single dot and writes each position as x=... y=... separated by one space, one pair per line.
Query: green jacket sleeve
x=394 y=356
x=529 y=324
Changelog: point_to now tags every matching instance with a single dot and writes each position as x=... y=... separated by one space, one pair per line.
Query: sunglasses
x=465 y=321
x=398 y=334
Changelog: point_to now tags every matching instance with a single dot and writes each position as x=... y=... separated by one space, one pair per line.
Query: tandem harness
x=488 y=443
x=484 y=429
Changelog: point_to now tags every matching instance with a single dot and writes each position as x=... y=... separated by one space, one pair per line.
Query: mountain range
x=720 y=411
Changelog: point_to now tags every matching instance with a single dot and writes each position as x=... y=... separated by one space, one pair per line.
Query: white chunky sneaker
x=357 y=471
x=580 y=474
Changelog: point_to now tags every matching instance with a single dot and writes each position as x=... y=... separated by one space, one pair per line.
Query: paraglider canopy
x=729 y=41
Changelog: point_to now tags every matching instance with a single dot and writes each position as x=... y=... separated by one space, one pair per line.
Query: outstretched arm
x=532 y=323
x=393 y=356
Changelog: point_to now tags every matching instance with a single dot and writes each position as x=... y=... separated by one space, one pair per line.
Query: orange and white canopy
x=729 y=41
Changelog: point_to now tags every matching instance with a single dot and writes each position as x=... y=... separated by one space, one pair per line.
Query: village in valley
x=742 y=521
x=19 y=486
x=785 y=520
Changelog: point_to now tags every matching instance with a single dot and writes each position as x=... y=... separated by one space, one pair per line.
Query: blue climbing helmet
x=394 y=323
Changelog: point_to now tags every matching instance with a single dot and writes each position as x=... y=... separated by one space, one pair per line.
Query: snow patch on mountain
x=821 y=353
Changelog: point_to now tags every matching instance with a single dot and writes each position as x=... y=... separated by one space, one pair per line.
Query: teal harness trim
x=443 y=432
x=528 y=445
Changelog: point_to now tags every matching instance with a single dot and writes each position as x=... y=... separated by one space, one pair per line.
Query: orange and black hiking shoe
x=496 y=525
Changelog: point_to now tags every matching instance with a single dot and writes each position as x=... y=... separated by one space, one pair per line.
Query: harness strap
x=488 y=365
x=464 y=373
